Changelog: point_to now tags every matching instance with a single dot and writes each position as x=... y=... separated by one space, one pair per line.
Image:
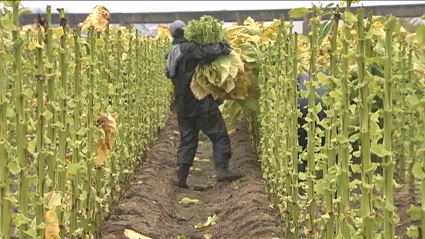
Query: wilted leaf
x=197 y=159
x=108 y=122
x=212 y=220
x=102 y=153
x=195 y=169
x=187 y=200
x=99 y=18
x=299 y=12
x=108 y=125
x=134 y=235
x=51 y=230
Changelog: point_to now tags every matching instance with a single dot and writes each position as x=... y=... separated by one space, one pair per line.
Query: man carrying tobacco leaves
x=193 y=114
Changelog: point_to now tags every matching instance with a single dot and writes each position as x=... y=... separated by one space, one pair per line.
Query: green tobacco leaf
x=299 y=12
x=420 y=33
x=379 y=150
x=14 y=167
x=100 y=42
x=413 y=232
x=350 y=17
x=21 y=219
x=8 y=58
x=413 y=100
x=31 y=232
x=417 y=171
x=8 y=24
x=24 y=11
x=73 y=168
x=323 y=79
x=415 y=212
x=47 y=114
x=10 y=3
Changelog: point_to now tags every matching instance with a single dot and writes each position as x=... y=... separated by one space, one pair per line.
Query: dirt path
x=150 y=205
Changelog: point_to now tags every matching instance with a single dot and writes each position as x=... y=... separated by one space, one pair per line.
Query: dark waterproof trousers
x=212 y=124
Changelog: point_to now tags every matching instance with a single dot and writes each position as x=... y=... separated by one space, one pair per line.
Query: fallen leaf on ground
x=195 y=169
x=187 y=200
x=181 y=237
x=176 y=132
x=201 y=159
x=231 y=132
x=212 y=220
x=134 y=235
x=208 y=236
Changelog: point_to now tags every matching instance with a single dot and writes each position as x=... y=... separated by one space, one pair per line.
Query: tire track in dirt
x=150 y=204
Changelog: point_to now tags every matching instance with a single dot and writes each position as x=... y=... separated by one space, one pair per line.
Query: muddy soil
x=150 y=206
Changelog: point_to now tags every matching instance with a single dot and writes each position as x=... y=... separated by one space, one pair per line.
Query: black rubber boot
x=182 y=174
x=223 y=174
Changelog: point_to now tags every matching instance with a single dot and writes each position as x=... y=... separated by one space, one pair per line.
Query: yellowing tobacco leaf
x=51 y=230
x=187 y=200
x=198 y=91
x=163 y=31
x=109 y=125
x=102 y=153
x=195 y=169
x=134 y=235
x=99 y=18
x=212 y=220
x=250 y=22
x=201 y=159
x=108 y=129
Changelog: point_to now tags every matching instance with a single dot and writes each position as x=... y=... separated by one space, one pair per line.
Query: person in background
x=194 y=115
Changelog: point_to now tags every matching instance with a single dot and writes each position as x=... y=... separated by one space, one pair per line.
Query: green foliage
x=373 y=121
x=56 y=89
x=205 y=30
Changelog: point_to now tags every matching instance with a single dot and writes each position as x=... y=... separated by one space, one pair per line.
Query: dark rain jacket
x=182 y=60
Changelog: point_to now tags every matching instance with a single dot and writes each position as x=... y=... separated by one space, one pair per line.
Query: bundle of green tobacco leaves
x=218 y=78
x=229 y=77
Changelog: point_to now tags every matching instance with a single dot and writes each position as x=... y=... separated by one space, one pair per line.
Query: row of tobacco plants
x=373 y=129
x=76 y=113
